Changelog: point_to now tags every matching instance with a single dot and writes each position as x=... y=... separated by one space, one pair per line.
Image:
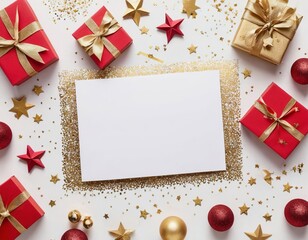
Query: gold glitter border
x=230 y=91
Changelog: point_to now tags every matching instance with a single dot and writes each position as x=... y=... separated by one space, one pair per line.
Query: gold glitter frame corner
x=230 y=93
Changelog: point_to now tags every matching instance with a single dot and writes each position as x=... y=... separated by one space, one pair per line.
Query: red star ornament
x=171 y=27
x=32 y=158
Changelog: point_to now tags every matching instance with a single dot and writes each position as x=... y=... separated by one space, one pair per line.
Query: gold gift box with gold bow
x=266 y=29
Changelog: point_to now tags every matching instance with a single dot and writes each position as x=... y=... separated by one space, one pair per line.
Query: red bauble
x=296 y=212
x=74 y=234
x=299 y=71
x=5 y=135
x=221 y=218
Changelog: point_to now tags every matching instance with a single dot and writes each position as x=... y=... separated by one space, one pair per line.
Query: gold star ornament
x=20 y=107
x=267 y=217
x=38 y=118
x=287 y=187
x=37 y=90
x=121 y=233
x=244 y=209
x=144 y=214
x=135 y=11
x=198 y=201
x=189 y=7
x=258 y=234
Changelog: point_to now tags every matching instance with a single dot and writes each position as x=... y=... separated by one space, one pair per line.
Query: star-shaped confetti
x=267 y=217
x=121 y=233
x=52 y=203
x=178 y=197
x=54 y=179
x=192 y=49
x=171 y=27
x=258 y=234
x=37 y=90
x=38 y=118
x=144 y=30
x=244 y=209
x=20 y=107
x=198 y=201
x=252 y=181
x=287 y=187
x=144 y=214
x=158 y=211
x=32 y=158
x=246 y=73
x=135 y=10
x=189 y=7
x=106 y=216
x=268 y=176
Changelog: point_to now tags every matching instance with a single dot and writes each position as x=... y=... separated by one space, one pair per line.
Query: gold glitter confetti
x=157 y=48
x=38 y=118
x=252 y=181
x=135 y=10
x=121 y=233
x=244 y=209
x=144 y=214
x=198 y=201
x=158 y=211
x=267 y=217
x=106 y=216
x=144 y=30
x=54 y=179
x=268 y=177
x=150 y=56
x=37 y=90
x=178 y=198
x=52 y=203
x=246 y=73
x=20 y=107
x=230 y=90
x=258 y=234
x=287 y=187
x=192 y=49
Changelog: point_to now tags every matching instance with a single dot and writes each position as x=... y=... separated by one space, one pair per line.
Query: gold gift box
x=266 y=29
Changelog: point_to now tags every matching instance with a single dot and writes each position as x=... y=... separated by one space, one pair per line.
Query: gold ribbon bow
x=278 y=121
x=94 y=43
x=5 y=213
x=269 y=16
x=23 y=50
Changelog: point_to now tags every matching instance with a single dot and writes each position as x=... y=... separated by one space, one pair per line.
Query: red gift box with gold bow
x=24 y=46
x=102 y=38
x=278 y=120
x=18 y=210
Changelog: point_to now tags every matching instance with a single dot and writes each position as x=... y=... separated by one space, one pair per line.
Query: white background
x=205 y=32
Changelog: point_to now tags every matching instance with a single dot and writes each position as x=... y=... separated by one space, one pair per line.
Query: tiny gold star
x=54 y=179
x=121 y=233
x=37 y=90
x=252 y=181
x=38 y=118
x=268 y=177
x=178 y=198
x=20 y=107
x=258 y=234
x=260 y=202
x=144 y=214
x=284 y=172
x=246 y=73
x=287 y=187
x=244 y=209
x=192 y=49
x=198 y=201
x=257 y=166
x=278 y=177
x=144 y=30
x=20 y=136
x=158 y=211
x=52 y=203
x=267 y=217
x=155 y=205
x=106 y=216
x=157 y=48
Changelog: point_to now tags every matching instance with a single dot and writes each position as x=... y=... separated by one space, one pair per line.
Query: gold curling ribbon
x=269 y=16
x=23 y=50
x=5 y=213
x=278 y=121
x=94 y=43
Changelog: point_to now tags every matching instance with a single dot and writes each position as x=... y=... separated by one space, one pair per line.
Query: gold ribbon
x=278 y=121
x=23 y=50
x=94 y=43
x=5 y=213
x=269 y=16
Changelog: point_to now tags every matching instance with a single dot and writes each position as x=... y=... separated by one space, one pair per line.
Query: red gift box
x=23 y=56
x=18 y=210
x=278 y=120
x=102 y=38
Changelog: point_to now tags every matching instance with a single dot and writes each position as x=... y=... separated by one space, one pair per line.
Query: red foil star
x=171 y=27
x=32 y=158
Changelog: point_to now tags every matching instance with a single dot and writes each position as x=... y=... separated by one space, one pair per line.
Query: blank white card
x=150 y=125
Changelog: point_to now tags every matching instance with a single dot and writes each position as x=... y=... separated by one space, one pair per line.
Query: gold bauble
x=87 y=222
x=173 y=228
x=74 y=216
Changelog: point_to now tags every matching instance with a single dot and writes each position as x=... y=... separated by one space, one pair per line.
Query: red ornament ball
x=221 y=218
x=296 y=212
x=299 y=71
x=74 y=234
x=5 y=135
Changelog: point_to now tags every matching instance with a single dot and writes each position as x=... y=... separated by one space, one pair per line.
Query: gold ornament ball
x=173 y=228
x=87 y=222
x=74 y=216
